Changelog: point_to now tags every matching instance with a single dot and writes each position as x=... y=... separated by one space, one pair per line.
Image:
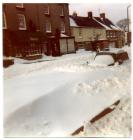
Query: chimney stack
x=102 y=15
x=74 y=14
x=89 y=14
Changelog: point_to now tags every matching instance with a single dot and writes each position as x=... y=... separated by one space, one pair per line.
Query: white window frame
x=20 y=5
x=5 y=22
x=62 y=11
x=47 y=12
x=50 y=29
x=22 y=28
x=64 y=29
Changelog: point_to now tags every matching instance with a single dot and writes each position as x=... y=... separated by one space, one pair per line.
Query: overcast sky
x=114 y=12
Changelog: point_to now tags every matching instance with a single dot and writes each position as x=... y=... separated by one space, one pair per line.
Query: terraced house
x=30 y=29
x=88 y=33
x=114 y=34
x=94 y=33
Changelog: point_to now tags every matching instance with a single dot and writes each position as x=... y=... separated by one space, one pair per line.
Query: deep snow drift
x=55 y=97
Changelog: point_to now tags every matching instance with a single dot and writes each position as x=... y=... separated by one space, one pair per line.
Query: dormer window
x=4 y=21
x=46 y=10
x=20 y=5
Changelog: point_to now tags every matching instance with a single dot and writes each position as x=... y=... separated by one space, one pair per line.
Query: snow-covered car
x=109 y=58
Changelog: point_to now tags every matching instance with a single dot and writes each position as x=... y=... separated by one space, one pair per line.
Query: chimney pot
x=102 y=15
x=90 y=15
x=74 y=14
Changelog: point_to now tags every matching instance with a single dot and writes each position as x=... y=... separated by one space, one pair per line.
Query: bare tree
x=123 y=24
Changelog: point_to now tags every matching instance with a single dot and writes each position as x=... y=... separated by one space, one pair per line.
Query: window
x=20 y=5
x=46 y=9
x=108 y=34
x=48 y=26
x=111 y=34
x=114 y=34
x=80 y=32
x=4 y=21
x=62 y=27
x=61 y=11
x=21 y=22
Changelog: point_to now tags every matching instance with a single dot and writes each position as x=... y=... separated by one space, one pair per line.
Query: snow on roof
x=106 y=27
x=63 y=35
x=86 y=22
x=114 y=27
x=118 y=27
x=73 y=23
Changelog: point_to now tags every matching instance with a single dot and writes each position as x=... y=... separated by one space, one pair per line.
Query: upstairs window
x=114 y=34
x=4 y=21
x=48 y=27
x=21 y=22
x=107 y=33
x=111 y=34
x=46 y=9
x=20 y=5
x=62 y=27
x=61 y=11
x=80 y=32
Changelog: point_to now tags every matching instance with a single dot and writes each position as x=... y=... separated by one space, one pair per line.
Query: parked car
x=109 y=58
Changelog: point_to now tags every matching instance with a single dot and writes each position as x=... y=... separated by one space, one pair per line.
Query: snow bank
x=116 y=124
x=71 y=62
x=54 y=113
x=54 y=98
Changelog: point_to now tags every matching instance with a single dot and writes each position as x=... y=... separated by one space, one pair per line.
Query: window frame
x=22 y=28
x=48 y=10
x=80 y=32
x=19 y=6
x=5 y=22
x=62 y=11
x=46 y=29
x=63 y=23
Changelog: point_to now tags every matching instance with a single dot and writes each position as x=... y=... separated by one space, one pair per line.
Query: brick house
x=32 y=28
x=114 y=34
x=88 y=33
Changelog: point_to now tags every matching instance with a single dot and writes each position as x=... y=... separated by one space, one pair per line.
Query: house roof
x=107 y=23
x=78 y=21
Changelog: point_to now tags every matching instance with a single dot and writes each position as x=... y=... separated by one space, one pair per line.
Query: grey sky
x=115 y=12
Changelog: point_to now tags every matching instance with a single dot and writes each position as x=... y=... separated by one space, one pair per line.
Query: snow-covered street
x=57 y=95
